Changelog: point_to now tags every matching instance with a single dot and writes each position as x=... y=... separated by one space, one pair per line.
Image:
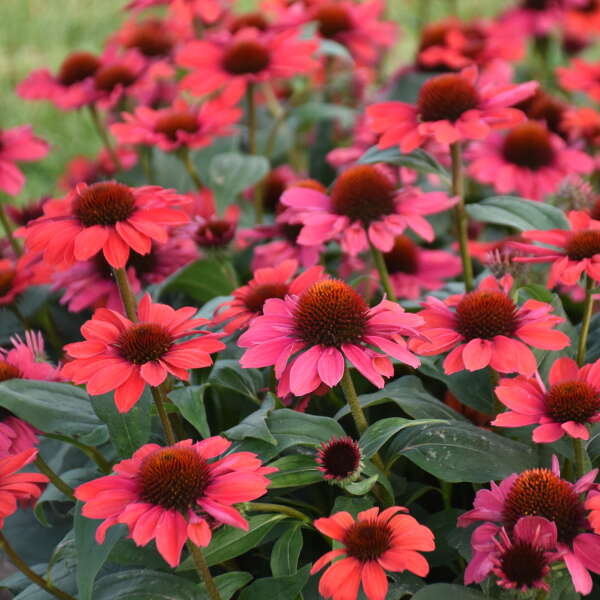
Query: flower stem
x=252 y=149
x=9 y=232
x=103 y=135
x=45 y=468
x=278 y=508
x=158 y=396
x=204 y=571
x=129 y=301
x=184 y=156
x=384 y=276
x=90 y=451
x=579 y=452
x=18 y=562
x=460 y=215
x=588 y=306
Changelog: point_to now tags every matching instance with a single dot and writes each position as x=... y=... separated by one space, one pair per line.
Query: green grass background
x=39 y=33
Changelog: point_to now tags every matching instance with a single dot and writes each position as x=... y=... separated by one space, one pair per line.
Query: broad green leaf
x=351 y=505
x=202 y=280
x=54 y=408
x=362 y=487
x=518 y=213
x=128 y=431
x=311 y=112
x=228 y=374
x=332 y=48
x=286 y=587
x=447 y=591
x=286 y=551
x=292 y=428
x=255 y=425
x=91 y=555
x=190 y=402
x=295 y=470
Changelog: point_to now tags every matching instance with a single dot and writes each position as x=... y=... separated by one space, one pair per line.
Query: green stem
x=588 y=307
x=47 y=322
x=460 y=215
x=20 y=316
x=204 y=571
x=184 y=156
x=129 y=301
x=103 y=135
x=158 y=396
x=252 y=149
x=579 y=452
x=18 y=562
x=9 y=232
x=384 y=275
x=278 y=508
x=541 y=595
x=45 y=468
x=89 y=451
x=147 y=166
x=446 y=491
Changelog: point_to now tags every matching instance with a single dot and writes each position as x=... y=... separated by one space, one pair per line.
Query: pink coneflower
x=107 y=216
x=529 y=160
x=180 y=125
x=124 y=356
x=27 y=360
x=246 y=57
x=72 y=87
x=372 y=544
x=214 y=232
x=450 y=107
x=521 y=561
x=542 y=492
x=269 y=282
x=363 y=208
x=152 y=37
x=545 y=108
x=91 y=284
x=18 y=145
x=533 y=18
x=340 y=460
x=18 y=488
x=581 y=76
x=175 y=493
x=487 y=328
x=22 y=214
x=15 y=277
x=208 y=11
x=582 y=123
x=413 y=269
x=567 y=406
x=321 y=328
x=16 y=436
x=578 y=249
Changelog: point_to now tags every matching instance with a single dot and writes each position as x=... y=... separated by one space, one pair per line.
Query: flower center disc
x=368 y=540
x=255 y=20
x=333 y=20
x=173 y=477
x=364 y=194
x=77 y=67
x=246 y=57
x=583 y=244
x=6 y=281
x=104 y=203
x=151 y=39
x=529 y=146
x=257 y=297
x=340 y=458
x=484 y=314
x=144 y=342
x=446 y=98
x=523 y=564
x=108 y=78
x=8 y=371
x=173 y=122
x=572 y=401
x=331 y=313
x=539 y=492
x=403 y=257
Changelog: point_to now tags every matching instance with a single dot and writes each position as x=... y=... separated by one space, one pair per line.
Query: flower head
x=372 y=544
x=269 y=282
x=363 y=207
x=309 y=336
x=152 y=37
x=108 y=216
x=487 y=328
x=543 y=493
x=15 y=277
x=340 y=460
x=27 y=360
x=174 y=493
x=529 y=159
x=449 y=108
x=120 y=355
x=581 y=76
x=571 y=401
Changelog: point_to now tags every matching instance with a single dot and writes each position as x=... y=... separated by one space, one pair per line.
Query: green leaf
x=362 y=487
x=202 y=280
x=91 y=555
x=295 y=470
x=458 y=452
x=518 y=213
x=190 y=402
x=292 y=428
x=447 y=591
x=128 y=431
x=54 y=408
x=255 y=425
x=286 y=551
x=228 y=542
x=332 y=48
x=408 y=393
x=228 y=374
x=418 y=160
x=311 y=112
x=351 y=505
x=286 y=587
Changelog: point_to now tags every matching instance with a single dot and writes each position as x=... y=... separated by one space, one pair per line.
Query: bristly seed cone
x=485 y=314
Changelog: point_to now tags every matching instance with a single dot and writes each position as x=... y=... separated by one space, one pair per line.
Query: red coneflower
x=340 y=460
